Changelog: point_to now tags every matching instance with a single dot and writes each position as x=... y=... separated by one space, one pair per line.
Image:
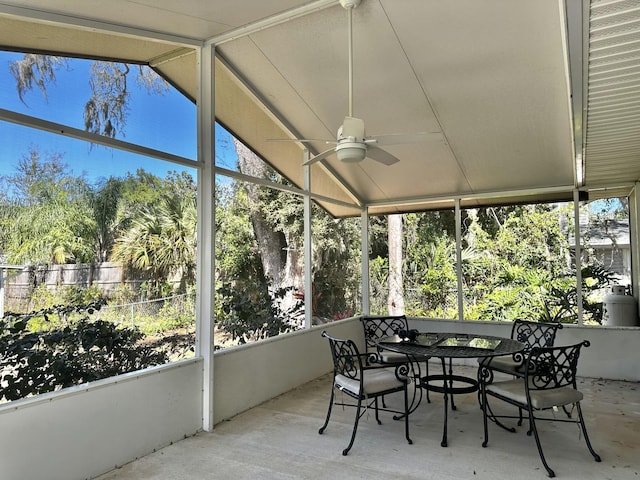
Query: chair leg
x=532 y=426
x=406 y=414
x=487 y=411
x=453 y=404
x=584 y=432
x=426 y=372
x=416 y=391
x=483 y=405
x=521 y=419
x=326 y=421
x=355 y=427
x=481 y=382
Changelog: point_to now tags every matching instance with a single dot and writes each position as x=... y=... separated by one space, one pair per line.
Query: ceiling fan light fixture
x=351 y=152
x=352 y=144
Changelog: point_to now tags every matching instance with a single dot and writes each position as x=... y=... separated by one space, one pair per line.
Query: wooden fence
x=106 y=276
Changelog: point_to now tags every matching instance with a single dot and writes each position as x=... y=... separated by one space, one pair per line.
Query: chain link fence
x=153 y=317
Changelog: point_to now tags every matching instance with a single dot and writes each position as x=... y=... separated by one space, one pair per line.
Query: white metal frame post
x=458 y=217
x=364 y=247
x=634 y=225
x=206 y=234
x=578 y=242
x=308 y=246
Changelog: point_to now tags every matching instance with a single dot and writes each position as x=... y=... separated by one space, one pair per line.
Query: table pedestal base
x=445 y=384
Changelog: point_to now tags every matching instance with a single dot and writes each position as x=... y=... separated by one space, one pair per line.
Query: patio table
x=446 y=346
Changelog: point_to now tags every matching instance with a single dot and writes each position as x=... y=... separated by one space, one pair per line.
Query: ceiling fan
x=351 y=144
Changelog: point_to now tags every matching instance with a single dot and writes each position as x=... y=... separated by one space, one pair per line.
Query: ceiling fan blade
x=353 y=127
x=380 y=155
x=398 y=138
x=320 y=156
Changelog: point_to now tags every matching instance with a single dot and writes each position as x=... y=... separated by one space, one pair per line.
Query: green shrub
x=253 y=315
x=35 y=362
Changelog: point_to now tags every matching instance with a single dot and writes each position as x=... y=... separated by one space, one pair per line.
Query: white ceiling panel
x=196 y=19
x=489 y=75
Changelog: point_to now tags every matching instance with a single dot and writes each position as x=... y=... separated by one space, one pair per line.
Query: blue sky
x=165 y=123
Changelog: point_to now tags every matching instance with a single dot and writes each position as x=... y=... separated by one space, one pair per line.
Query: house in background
x=608 y=243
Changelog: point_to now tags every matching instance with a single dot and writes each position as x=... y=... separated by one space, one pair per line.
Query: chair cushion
x=505 y=364
x=540 y=399
x=387 y=356
x=375 y=381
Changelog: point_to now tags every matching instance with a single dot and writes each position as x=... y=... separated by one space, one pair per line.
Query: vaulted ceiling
x=528 y=100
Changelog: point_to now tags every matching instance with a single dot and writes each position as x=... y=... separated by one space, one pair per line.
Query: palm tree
x=162 y=241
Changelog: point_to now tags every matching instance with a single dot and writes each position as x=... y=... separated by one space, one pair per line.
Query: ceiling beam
x=93 y=25
x=577 y=49
x=271 y=21
x=472 y=196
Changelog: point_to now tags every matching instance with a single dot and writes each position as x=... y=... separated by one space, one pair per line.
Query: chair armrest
x=509 y=364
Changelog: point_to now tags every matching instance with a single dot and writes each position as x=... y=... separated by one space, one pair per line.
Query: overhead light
x=351 y=152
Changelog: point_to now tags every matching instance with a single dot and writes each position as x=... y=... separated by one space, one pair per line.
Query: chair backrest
x=535 y=334
x=553 y=367
x=346 y=357
x=377 y=327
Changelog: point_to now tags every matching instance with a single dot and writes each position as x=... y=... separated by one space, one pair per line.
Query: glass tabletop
x=451 y=345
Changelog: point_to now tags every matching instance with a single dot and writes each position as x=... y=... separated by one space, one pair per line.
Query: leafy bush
x=253 y=315
x=175 y=313
x=32 y=363
x=124 y=294
x=55 y=303
x=563 y=299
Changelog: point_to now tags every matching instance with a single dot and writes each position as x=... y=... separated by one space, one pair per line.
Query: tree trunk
x=470 y=234
x=395 y=300
x=279 y=257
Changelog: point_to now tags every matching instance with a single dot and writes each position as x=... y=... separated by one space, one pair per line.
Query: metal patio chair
x=377 y=327
x=549 y=382
x=364 y=384
x=532 y=334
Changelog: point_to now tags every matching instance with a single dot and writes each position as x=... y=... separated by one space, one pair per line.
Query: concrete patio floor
x=279 y=440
